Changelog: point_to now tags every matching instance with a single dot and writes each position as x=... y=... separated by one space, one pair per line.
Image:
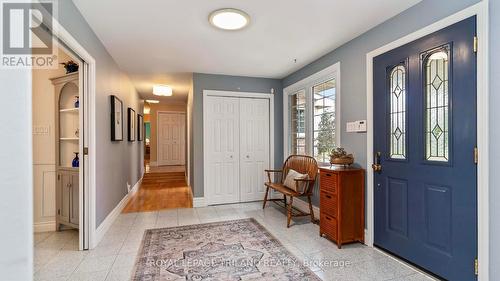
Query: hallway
x=161 y=188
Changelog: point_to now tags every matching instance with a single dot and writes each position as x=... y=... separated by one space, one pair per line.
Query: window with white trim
x=298 y=122
x=311 y=115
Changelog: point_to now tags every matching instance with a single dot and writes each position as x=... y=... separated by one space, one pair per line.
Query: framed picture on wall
x=140 y=127
x=131 y=124
x=116 y=119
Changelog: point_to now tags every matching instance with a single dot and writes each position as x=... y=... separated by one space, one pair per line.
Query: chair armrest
x=273 y=171
x=307 y=188
x=306 y=180
x=269 y=171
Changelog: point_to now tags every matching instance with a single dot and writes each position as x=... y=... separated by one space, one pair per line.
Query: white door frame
x=481 y=11
x=158 y=134
x=87 y=185
x=234 y=94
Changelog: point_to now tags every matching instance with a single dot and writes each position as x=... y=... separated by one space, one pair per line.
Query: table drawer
x=328 y=182
x=328 y=203
x=328 y=226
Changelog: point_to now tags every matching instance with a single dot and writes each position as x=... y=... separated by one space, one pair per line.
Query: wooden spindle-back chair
x=302 y=164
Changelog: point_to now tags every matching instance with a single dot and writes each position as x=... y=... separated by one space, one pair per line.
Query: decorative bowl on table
x=340 y=157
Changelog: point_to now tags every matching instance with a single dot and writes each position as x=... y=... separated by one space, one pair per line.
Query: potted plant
x=340 y=157
x=70 y=66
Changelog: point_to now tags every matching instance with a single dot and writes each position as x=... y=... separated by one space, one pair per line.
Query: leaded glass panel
x=397 y=115
x=436 y=107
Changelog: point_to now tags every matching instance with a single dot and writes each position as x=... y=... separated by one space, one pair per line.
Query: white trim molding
x=199 y=202
x=481 y=11
x=108 y=221
x=44 y=226
x=87 y=192
x=306 y=84
x=136 y=186
x=234 y=94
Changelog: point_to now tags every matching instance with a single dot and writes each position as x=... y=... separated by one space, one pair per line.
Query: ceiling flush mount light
x=152 y=101
x=229 y=19
x=162 y=90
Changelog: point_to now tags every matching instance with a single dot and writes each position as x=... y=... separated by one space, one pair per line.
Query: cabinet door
x=74 y=203
x=63 y=187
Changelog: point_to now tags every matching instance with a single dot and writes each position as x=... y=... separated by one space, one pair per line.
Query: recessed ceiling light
x=162 y=90
x=152 y=101
x=229 y=19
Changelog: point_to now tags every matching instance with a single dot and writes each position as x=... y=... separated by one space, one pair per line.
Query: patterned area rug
x=229 y=250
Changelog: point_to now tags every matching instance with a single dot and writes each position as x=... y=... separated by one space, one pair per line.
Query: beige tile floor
x=57 y=258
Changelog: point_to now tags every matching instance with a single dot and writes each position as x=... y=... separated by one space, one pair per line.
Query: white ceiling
x=163 y=41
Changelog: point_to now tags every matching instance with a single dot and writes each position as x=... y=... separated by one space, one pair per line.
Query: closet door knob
x=248 y=156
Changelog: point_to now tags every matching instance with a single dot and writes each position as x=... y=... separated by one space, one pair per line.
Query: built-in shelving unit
x=67 y=144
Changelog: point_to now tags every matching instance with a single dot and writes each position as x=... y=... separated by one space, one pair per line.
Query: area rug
x=226 y=251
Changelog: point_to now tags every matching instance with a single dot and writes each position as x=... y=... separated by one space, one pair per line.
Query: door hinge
x=476 y=267
x=475 y=44
x=85 y=151
x=58 y=177
x=58 y=211
x=476 y=155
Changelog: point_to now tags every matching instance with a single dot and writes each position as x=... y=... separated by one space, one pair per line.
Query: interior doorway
x=171 y=134
x=58 y=110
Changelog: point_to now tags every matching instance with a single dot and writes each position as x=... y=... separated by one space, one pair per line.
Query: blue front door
x=425 y=139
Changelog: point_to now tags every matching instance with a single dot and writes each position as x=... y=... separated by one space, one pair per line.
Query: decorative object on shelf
x=140 y=127
x=116 y=119
x=70 y=66
x=131 y=124
x=77 y=133
x=76 y=161
x=338 y=156
x=77 y=101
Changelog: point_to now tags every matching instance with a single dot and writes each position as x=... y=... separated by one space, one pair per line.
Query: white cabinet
x=67 y=209
x=236 y=148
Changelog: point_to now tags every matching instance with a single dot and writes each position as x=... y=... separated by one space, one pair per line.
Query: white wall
x=16 y=179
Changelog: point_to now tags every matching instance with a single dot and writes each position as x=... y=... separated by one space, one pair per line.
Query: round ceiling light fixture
x=229 y=19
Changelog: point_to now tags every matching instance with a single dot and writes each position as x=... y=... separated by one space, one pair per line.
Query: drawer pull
x=328 y=218
x=328 y=175
x=328 y=196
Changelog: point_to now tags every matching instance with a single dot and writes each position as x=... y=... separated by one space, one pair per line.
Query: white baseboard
x=108 y=221
x=199 y=202
x=153 y=163
x=44 y=226
x=136 y=186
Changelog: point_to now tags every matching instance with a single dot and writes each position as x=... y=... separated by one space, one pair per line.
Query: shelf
x=69 y=139
x=74 y=109
x=69 y=168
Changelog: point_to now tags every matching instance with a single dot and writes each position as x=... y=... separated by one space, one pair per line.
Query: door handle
x=376 y=166
x=248 y=156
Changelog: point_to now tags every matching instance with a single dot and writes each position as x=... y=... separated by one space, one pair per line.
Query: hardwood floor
x=160 y=190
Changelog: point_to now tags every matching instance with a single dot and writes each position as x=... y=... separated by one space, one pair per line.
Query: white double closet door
x=237 y=141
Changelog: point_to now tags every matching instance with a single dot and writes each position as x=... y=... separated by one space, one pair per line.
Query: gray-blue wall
x=494 y=140
x=117 y=162
x=352 y=58
x=230 y=83
x=353 y=80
